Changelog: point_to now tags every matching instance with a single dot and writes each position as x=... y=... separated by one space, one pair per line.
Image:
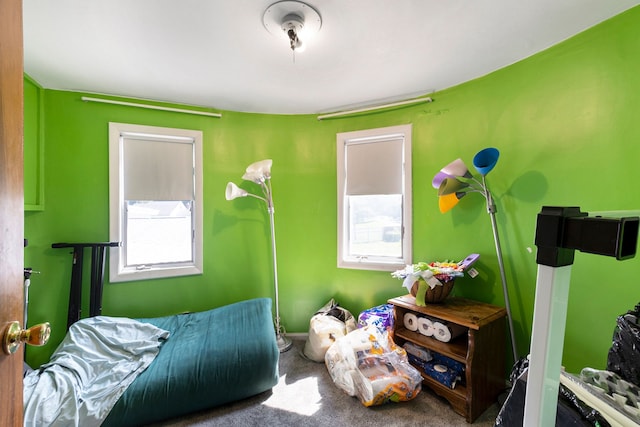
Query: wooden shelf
x=456 y=349
x=481 y=349
x=466 y=312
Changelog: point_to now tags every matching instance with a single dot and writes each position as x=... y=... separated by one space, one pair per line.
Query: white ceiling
x=218 y=54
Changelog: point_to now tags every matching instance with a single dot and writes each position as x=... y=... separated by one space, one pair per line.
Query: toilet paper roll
x=411 y=321
x=425 y=326
x=445 y=332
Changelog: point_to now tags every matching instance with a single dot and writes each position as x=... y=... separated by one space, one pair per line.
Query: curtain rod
x=151 y=107
x=377 y=107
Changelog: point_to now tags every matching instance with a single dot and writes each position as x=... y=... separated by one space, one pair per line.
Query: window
x=155 y=199
x=374 y=198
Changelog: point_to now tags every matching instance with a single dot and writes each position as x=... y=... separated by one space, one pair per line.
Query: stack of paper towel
x=438 y=329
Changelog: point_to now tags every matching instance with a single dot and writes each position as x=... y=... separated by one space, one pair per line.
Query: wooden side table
x=481 y=350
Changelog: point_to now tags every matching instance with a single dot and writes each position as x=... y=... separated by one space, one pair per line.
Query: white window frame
x=372 y=136
x=118 y=272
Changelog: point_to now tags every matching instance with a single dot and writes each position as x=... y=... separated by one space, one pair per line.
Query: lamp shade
x=233 y=191
x=451 y=185
x=438 y=178
x=485 y=160
x=457 y=168
x=448 y=201
x=258 y=172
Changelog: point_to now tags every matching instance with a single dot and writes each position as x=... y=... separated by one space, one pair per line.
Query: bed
x=125 y=372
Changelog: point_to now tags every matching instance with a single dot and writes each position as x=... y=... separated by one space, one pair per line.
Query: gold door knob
x=35 y=335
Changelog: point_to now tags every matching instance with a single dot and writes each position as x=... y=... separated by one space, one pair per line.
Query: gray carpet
x=306 y=396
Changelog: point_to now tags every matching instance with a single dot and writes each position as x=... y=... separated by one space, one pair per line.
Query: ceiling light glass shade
x=293 y=27
x=258 y=172
x=233 y=191
x=438 y=178
x=451 y=185
x=457 y=168
x=448 y=201
x=485 y=160
x=299 y=46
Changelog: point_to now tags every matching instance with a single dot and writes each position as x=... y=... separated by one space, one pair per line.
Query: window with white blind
x=374 y=198
x=155 y=198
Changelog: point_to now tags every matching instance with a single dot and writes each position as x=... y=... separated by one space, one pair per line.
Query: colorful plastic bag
x=367 y=364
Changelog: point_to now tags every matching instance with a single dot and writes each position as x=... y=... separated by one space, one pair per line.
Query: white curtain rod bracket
x=373 y=108
x=149 y=106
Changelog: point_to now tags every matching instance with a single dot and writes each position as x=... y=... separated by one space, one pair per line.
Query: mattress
x=211 y=358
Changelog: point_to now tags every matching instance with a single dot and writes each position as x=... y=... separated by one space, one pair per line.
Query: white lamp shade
x=258 y=172
x=233 y=191
x=456 y=168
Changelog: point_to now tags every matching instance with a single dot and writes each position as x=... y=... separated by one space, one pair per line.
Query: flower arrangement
x=440 y=271
x=432 y=282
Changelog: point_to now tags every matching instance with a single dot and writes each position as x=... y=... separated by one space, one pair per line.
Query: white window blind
x=375 y=167
x=158 y=169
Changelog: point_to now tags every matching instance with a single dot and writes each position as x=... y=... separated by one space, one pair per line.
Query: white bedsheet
x=89 y=371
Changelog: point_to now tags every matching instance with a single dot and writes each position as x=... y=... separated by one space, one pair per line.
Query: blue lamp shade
x=485 y=160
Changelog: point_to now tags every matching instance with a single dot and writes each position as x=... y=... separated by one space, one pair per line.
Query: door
x=11 y=205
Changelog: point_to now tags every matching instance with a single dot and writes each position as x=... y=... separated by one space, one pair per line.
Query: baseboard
x=298 y=335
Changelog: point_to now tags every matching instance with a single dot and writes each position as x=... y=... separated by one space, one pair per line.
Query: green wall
x=566 y=124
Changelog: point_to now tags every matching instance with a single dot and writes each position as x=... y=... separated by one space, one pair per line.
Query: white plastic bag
x=367 y=364
x=326 y=326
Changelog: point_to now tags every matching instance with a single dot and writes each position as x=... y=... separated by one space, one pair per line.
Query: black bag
x=624 y=355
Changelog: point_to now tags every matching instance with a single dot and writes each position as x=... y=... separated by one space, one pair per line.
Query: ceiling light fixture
x=294 y=21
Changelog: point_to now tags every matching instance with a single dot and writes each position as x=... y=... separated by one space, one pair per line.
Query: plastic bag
x=623 y=356
x=326 y=326
x=380 y=316
x=367 y=364
x=570 y=410
x=621 y=394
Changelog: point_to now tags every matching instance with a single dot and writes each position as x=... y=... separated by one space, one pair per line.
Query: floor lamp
x=260 y=173
x=453 y=182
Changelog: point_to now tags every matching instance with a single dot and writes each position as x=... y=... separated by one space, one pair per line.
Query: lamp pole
x=491 y=209
x=284 y=343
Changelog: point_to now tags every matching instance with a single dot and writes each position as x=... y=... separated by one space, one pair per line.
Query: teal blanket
x=91 y=368
x=126 y=372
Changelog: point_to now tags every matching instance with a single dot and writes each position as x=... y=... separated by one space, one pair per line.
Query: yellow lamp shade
x=448 y=201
